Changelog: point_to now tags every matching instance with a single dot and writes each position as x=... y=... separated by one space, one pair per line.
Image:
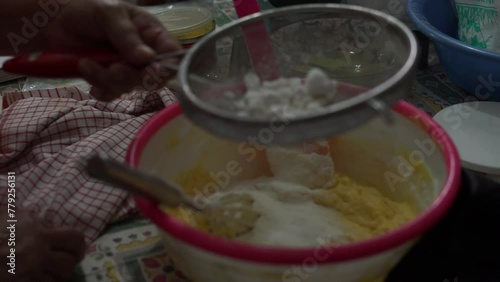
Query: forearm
x=23 y=24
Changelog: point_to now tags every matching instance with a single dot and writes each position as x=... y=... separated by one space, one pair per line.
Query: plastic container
x=188 y=21
x=202 y=257
x=475 y=70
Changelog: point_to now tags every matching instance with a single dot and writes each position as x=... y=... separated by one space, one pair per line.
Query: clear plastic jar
x=188 y=21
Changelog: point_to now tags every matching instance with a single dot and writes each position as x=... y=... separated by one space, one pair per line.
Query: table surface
x=132 y=250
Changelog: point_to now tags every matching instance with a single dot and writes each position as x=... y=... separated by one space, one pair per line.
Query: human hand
x=134 y=33
x=42 y=253
x=150 y=2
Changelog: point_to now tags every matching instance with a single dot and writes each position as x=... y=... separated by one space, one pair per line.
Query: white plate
x=474 y=127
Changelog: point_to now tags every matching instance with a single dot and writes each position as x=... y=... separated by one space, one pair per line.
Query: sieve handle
x=58 y=63
x=64 y=63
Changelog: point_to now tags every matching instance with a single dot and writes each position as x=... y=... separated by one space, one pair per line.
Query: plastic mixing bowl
x=386 y=157
x=475 y=70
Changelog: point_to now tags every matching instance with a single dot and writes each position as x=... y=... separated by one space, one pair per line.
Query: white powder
x=287 y=97
x=289 y=215
x=290 y=218
x=301 y=165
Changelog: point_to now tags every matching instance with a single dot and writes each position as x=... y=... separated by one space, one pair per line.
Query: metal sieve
x=371 y=54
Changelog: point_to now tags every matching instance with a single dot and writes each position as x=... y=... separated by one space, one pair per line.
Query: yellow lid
x=187 y=22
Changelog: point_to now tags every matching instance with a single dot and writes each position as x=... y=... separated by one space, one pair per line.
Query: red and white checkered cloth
x=44 y=137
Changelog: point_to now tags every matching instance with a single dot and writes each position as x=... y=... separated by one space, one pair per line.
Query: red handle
x=57 y=64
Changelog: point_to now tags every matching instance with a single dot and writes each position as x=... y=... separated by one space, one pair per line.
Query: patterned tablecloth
x=132 y=250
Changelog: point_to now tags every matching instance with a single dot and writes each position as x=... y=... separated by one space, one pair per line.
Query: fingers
x=67 y=248
x=68 y=240
x=112 y=82
x=60 y=265
x=162 y=42
x=156 y=76
x=156 y=35
x=150 y=2
x=29 y=277
x=123 y=33
x=138 y=36
x=153 y=32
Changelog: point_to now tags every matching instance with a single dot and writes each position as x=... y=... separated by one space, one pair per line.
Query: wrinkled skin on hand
x=42 y=253
x=136 y=35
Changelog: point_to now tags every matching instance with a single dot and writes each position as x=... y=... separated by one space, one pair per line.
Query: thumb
x=121 y=32
x=68 y=240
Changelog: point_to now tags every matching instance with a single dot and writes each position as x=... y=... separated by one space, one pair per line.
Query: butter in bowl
x=188 y=21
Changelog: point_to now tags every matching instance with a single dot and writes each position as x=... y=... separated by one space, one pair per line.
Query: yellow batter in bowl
x=330 y=207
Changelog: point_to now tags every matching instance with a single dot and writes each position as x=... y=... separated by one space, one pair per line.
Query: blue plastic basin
x=473 y=69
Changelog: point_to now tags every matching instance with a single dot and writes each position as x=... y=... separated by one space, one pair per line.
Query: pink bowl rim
x=275 y=255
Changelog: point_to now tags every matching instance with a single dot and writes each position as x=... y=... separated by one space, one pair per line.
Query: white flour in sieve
x=287 y=97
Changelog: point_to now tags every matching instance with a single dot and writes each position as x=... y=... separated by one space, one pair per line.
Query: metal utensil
x=64 y=63
x=339 y=37
x=228 y=216
x=138 y=183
